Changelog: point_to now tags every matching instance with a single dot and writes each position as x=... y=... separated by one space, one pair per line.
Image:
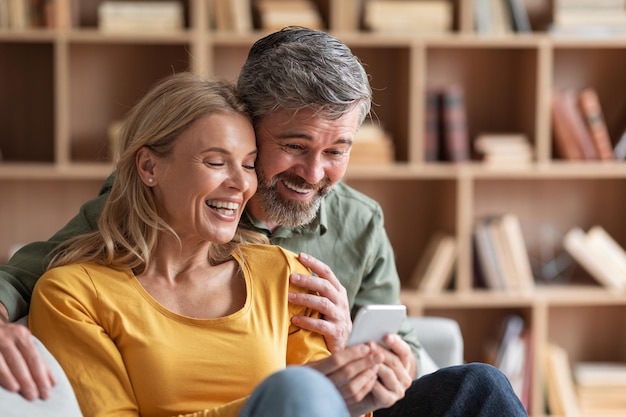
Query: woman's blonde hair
x=129 y=224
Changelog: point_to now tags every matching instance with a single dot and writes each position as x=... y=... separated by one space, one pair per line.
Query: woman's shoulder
x=269 y=256
x=82 y=273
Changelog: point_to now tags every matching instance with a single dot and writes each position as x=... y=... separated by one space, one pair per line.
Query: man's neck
x=257 y=213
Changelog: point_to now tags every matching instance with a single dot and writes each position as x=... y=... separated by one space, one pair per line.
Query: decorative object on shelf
x=406 y=16
x=137 y=16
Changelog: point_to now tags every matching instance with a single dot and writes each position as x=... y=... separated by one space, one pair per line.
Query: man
x=308 y=95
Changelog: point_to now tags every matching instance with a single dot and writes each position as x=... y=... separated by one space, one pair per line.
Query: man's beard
x=289 y=213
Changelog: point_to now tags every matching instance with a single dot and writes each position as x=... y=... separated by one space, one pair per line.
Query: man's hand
x=393 y=376
x=368 y=376
x=22 y=369
x=331 y=302
x=354 y=371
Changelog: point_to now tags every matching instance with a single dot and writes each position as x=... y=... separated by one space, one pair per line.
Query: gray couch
x=440 y=337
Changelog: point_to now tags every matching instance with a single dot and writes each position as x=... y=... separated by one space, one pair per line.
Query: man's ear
x=146 y=161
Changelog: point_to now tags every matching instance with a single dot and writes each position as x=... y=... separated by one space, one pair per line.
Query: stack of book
x=137 y=16
x=601 y=388
x=502 y=149
x=277 y=14
x=501 y=253
x=589 y=17
x=406 y=16
x=232 y=15
x=372 y=146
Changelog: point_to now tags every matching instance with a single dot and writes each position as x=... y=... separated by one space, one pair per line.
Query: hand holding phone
x=373 y=322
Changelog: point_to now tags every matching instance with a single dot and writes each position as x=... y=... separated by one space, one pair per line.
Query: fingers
x=404 y=353
x=319 y=268
x=22 y=369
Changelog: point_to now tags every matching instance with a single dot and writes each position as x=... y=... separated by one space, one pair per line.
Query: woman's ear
x=146 y=161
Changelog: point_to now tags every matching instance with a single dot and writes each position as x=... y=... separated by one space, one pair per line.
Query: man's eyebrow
x=340 y=141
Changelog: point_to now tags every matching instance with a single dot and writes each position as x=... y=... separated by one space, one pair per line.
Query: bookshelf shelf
x=63 y=87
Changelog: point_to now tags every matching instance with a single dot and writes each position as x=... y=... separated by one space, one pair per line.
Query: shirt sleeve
x=65 y=317
x=19 y=276
x=381 y=283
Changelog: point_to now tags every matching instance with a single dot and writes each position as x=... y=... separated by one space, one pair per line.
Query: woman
x=169 y=309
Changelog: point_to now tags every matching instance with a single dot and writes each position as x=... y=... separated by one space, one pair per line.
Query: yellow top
x=127 y=355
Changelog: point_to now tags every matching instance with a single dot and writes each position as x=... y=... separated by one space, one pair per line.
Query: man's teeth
x=296 y=188
x=223 y=206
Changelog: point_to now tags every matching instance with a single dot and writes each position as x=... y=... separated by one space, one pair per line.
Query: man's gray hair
x=297 y=68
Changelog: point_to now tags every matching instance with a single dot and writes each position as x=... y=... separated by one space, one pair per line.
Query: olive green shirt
x=348 y=235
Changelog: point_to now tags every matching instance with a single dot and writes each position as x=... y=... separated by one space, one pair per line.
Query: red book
x=455 y=129
x=591 y=110
x=572 y=139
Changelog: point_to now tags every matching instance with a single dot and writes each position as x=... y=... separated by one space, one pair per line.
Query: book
x=435 y=268
x=489 y=263
x=431 y=126
x=560 y=386
x=589 y=104
x=604 y=244
x=572 y=139
x=519 y=15
x=576 y=244
x=515 y=246
x=455 y=127
x=512 y=352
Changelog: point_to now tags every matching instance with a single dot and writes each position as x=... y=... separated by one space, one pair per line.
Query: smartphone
x=373 y=322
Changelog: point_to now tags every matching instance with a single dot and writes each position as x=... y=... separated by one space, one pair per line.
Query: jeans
x=472 y=390
x=295 y=392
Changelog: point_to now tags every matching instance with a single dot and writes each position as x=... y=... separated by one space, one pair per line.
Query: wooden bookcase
x=61 y=88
